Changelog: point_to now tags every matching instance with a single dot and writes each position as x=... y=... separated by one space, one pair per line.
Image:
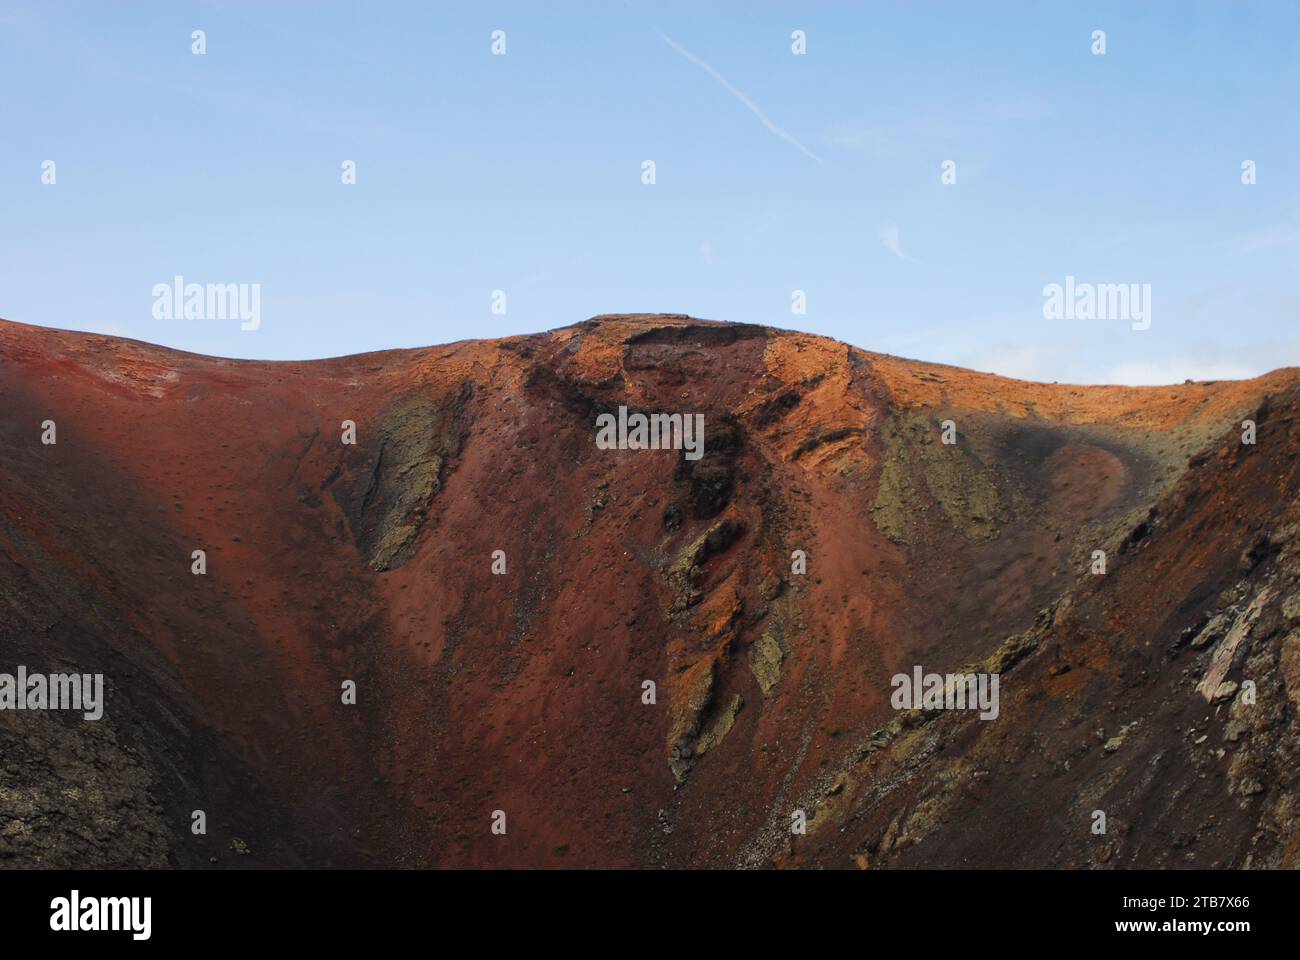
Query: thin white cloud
x=1267 y=240
x=749 y=104
x=1041 y=362
x=889 y=237
x=1151 y=373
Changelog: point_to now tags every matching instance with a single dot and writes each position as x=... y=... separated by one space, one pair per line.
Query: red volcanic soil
x=524 y=691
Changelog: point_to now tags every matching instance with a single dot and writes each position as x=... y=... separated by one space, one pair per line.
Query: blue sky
x=774 y=172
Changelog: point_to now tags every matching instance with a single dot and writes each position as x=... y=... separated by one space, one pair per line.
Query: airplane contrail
x=749 y=104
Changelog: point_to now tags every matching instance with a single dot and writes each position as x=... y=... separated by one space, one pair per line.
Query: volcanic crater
x=504 y=596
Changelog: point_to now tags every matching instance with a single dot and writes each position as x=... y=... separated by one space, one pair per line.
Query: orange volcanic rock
x=641 y=659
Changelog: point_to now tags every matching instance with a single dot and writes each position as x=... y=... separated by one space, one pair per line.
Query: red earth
x=523 y=693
